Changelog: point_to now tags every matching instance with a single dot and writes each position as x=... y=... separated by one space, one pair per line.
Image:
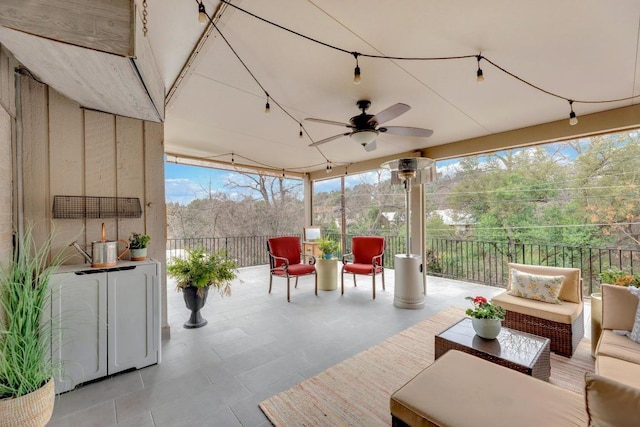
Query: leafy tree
x=518 y=196
x=262 y=205
x=607 y=187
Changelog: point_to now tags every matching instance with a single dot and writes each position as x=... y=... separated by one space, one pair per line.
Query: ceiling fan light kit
x=364 y=137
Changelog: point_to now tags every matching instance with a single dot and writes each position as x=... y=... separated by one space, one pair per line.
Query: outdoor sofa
x=562 y=322
x=462 y=390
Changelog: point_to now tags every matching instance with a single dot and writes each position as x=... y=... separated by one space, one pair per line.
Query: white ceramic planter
x=138 y=254
x=486 y=328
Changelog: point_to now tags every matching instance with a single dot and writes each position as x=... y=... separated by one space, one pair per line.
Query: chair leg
x=382 y=273
x=288 y=292
x=354 y=280
x=296 y=282
x=374 y=285
x=270 y=282
x=316 y=277
x=342 y=282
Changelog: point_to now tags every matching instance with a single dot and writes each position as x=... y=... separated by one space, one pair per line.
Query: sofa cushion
x=536 y=287
x=618 y=307
x=610 y=403
x=565 y=312
x=618 y=370
x=619 y=346
x=571 y=287
x=459 y=389
x=635 y=332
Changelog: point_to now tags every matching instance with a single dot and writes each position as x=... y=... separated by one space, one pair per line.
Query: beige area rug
x=356 y=392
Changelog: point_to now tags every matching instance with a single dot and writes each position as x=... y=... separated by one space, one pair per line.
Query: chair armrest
x=618 y=307
x=346 y=258
x=286 y=261
x=377 y=257
x=311 y=259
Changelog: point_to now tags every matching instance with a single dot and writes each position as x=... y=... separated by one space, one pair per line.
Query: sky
x=185 y=183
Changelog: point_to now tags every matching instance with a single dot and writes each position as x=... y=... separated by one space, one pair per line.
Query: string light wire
x=437 y=58
x=201 y=9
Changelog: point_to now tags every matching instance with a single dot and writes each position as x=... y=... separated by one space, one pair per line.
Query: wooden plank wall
x=72 y=151
x=7 y=126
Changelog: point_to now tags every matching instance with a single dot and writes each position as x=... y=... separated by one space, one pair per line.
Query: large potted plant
x=27 y=389
x=138 y=243
x=195 y=273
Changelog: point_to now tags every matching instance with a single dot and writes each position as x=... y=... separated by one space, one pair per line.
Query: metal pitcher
x=104 y=253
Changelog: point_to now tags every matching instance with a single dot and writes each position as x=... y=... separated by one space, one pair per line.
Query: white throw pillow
x=536 y=287
x=635 y=332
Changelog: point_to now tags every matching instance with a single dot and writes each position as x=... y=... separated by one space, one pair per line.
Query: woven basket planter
x=31 y=410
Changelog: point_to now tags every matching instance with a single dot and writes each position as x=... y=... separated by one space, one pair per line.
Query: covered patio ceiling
x=574 y=50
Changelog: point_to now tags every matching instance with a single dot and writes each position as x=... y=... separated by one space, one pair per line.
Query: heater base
x=409 y=287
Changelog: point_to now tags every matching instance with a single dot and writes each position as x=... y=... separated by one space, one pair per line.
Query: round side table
x=327 y=271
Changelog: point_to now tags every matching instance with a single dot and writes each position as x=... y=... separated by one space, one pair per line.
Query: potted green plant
x=328 y=247
x=486 y=317
x=27 y=389
x=616 y=276
x=195 y=273
x=138 y=243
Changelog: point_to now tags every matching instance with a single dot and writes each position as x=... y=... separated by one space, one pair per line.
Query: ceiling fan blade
x=390 y=113
x=328 y=122
x=370 y=146
x=406 y=131
x=331 y=138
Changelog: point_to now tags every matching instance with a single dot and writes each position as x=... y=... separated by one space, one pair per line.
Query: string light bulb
x=301 y=135
x=356 y=72
x=573 y=120
x=233 y=162
x=328 y=166
x=267 y=107
x=479 y=74
x=283 y=173
x=203 y=18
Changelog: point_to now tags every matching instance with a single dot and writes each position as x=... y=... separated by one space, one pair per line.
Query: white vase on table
x=486 y=328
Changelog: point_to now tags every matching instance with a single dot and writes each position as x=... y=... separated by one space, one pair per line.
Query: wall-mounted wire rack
x=74 y=207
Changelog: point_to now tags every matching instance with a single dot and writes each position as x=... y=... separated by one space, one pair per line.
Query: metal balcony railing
x=474 y=261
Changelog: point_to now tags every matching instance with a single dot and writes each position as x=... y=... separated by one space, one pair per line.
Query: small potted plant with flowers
x=486 y=317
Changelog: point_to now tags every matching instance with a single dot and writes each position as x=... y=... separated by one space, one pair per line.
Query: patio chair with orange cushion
x=366 y=258
x=286 y=260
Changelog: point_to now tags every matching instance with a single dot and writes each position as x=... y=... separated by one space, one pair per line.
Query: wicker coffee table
x=513 y=349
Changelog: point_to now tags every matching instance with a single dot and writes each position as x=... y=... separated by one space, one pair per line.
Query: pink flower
x=483 y=309
x=480 y=300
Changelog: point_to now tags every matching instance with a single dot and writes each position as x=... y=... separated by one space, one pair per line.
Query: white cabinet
x=78 y=322
x=104 y=320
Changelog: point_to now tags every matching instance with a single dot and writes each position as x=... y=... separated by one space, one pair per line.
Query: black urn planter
x=195 y=303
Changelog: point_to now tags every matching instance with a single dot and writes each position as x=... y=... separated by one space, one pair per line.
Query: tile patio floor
x=255 y=345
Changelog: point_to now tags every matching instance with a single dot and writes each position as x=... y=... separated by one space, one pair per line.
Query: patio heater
x=409 y=283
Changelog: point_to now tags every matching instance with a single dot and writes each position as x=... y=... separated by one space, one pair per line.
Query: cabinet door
x=134 y=297
x=79 y=326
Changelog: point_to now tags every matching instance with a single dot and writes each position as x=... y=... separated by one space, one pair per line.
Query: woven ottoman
x=460 y=390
